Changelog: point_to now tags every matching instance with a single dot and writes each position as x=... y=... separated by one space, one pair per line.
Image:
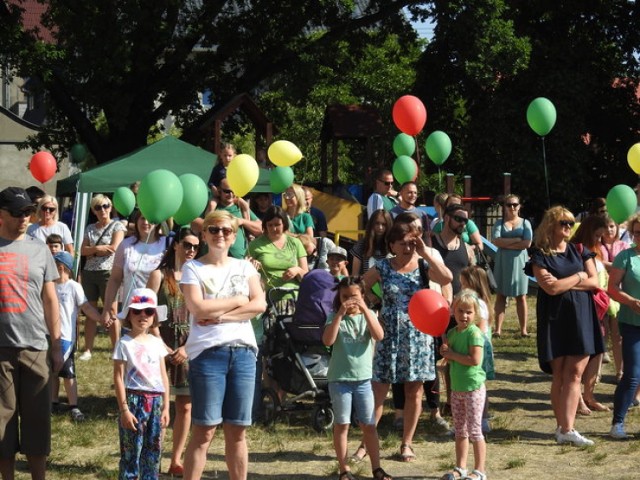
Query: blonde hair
x=219 y=216
x=300 y=198
x=99 y=199
x=632 y=221
x=544 y=232
x=48 y=199
x=467 y=298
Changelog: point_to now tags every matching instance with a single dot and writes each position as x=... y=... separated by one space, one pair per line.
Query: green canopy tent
x=169 y=153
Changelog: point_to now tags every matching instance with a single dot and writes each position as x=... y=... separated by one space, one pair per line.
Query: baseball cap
x=337 y=251
x=142 y=298
x=16 y=201
x=64 y=258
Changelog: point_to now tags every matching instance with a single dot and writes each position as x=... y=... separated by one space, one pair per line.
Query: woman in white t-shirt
x=222 y=294
x=136 y=257
x=48 y=223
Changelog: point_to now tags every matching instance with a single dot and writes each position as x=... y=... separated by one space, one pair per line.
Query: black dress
x=567 y=323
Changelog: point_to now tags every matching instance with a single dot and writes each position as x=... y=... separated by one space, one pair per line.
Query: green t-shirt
x=276 y=261
x=352 y=354
x=239 y=247
x=300 y=223
x=465 y=378
x=469 y=229
x=629 y=261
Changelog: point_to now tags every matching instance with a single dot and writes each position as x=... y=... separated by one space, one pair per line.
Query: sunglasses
x=567 y=223
x=460 y=219
x=388 y=184
x=147 y=311
x=226 y=231
x=104 y=206
x=228 y=192
x=48 y=209
x=512 y=205
x=21 y=214
x=190 y=246
x=289 y=195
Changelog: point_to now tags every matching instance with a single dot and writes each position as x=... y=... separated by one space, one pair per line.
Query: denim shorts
x=356 y=395
x=221 y=380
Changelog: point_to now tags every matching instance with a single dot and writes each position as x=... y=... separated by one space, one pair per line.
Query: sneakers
x=441 y=422
x=85 y=356
x=606 y=358
x=573 y=437
x=77 y=415
x=617 y=432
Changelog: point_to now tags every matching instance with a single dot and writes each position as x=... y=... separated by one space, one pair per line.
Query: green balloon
x=160 y=195
x=281 y=178
x=124 y=200
x=404 y=169
x=194 y=199
x=377 y=290
x=404 y=144
x=438 y=147
x=621 y=203
x=78 y=153
x=541 y=116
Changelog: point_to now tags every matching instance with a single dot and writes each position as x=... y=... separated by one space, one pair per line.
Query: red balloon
x=429 y=312
x=409 y=114
x=43 y=166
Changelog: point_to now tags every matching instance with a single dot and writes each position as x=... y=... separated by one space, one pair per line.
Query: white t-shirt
x=219 y=282
x=41 y=233
x=143 y=370
x=70 y=297
x=137 y=261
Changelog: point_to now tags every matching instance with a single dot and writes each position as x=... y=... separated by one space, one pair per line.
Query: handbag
x=601 y=298
x=483 y=262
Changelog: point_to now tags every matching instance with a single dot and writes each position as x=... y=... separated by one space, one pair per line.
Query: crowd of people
x=184 y=310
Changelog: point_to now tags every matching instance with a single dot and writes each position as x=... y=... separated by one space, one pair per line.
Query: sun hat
x=64 y=258
x=141 y=298
x=337 y=251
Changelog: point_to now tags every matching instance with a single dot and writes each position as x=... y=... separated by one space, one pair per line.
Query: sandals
x=355 y=458
x=407 y=457
x=461 y=474
x=380 y=474
x=478 y=475
x=347 y=475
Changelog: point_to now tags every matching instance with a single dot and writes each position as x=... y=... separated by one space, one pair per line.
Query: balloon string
x=546 y=176
x=146 y=242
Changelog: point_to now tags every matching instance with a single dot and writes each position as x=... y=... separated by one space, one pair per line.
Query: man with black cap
x=28 y=319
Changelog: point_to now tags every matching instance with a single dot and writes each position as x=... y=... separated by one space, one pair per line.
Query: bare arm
x=52 y=319
x=127 y=419
x=155 y=279
x=615 y=291
x=257 y=303
x=473 y=359
x=210 y=308
x=91 y=312
x=512 y=243
x=356 y=266
x=587 y=280
x=110 y=306
x=476 y=240
x=438 y=271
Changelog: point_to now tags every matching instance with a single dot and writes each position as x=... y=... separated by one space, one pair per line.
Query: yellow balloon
x=242 y=174
x=633 y=157
x=284 y=153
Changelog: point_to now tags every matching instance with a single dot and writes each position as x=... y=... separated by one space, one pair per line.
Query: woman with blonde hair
x=47 y=210
x=568 y=328
x=295 y=204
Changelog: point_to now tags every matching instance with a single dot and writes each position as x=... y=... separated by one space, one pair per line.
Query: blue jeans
x=344 y=395
x=221 y=380
x=626 y=389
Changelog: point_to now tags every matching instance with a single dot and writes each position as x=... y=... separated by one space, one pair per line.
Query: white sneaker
x=85 y=356
x=572 y=436
x=557 y=432
x=617 y=431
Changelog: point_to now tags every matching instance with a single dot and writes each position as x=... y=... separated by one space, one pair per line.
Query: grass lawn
x=521 y=444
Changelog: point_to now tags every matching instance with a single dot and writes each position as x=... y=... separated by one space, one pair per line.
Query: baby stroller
x=294 y=354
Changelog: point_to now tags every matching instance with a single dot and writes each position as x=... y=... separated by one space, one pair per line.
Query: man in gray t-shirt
x=29 y=317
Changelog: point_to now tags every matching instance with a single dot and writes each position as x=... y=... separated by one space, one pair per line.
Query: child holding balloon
x=463 y=349
x=352 y=330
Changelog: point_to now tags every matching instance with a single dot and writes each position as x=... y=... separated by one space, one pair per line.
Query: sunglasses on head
x=48 y=209
x=147 y=311
x=104 y=206
x=213 y=230
x=21 y=214
x=512 y=205
x=460 y=219
x=190 y=246
x=567 y=223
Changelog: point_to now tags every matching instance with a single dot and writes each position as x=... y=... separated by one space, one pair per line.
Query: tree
x=135 y=61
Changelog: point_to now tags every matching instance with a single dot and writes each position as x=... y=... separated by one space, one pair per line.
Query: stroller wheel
x=270 y=406
x=323 y=418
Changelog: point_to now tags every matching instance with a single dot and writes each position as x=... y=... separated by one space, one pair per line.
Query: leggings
x=467 y=410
